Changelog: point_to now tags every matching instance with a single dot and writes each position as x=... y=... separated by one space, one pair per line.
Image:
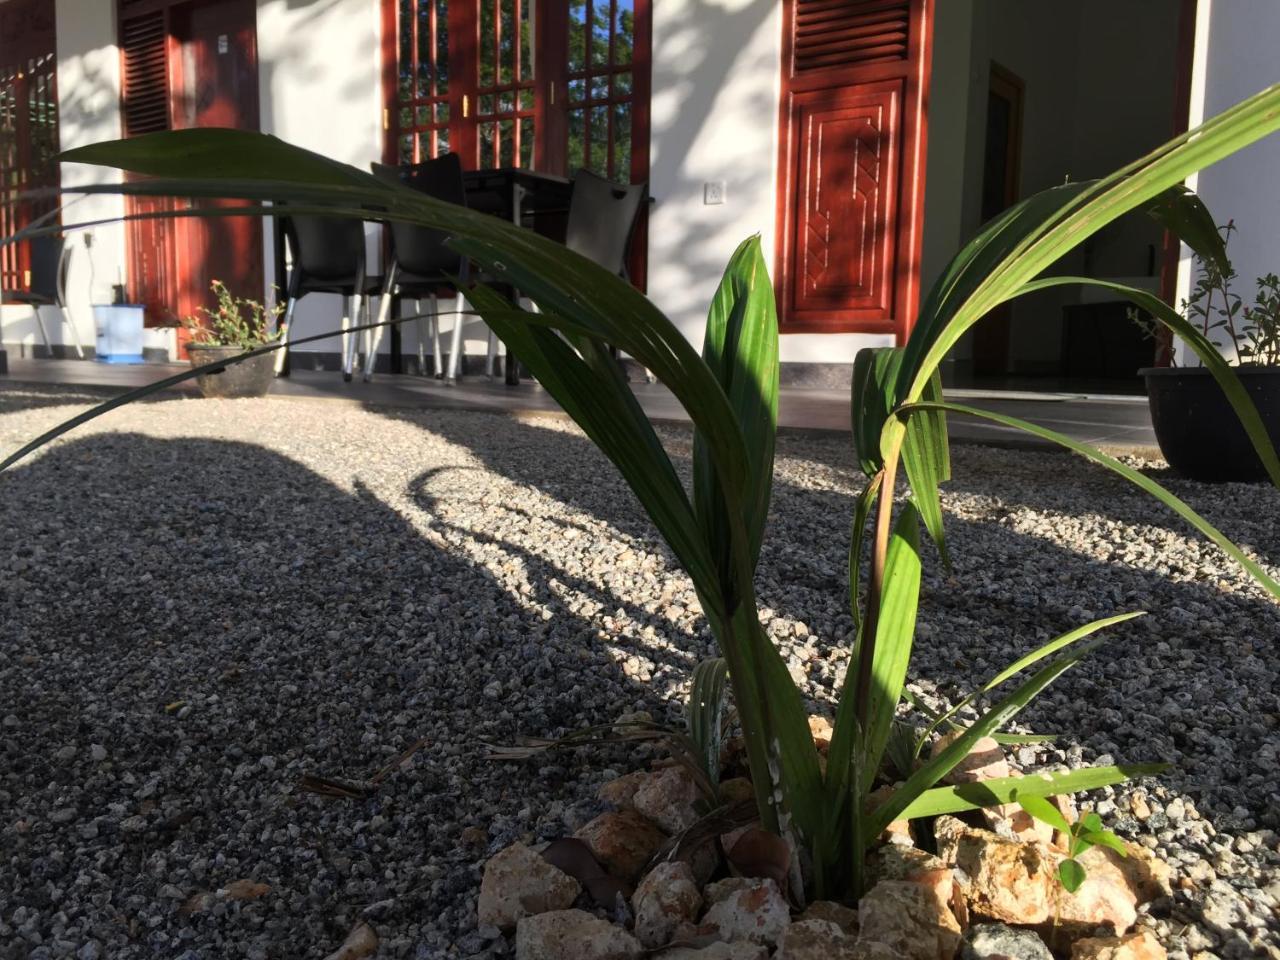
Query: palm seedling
x=730 y=393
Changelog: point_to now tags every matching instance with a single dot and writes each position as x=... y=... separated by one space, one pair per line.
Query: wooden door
x=216 y=86
x=852 y=160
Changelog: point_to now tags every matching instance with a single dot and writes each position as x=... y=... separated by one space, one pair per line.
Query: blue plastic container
x=119 y=333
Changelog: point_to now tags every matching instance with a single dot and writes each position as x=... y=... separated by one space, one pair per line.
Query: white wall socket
x=713 y=192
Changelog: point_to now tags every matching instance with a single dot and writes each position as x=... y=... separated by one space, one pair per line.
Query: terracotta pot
x=1198 y=430
x=249 y=378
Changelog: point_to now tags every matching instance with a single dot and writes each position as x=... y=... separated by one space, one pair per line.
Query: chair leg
x=371 y=358
x=348 y=341
x=437 y=342
x=75 y=334
x=491 y=355
x=422 y=324
x=44 y=334
x=282 y=355
x=455 y=354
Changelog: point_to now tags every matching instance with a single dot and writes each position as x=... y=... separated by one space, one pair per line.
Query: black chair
x=327 y=256
x=602 y=219
x=50 y=263
x=421 y=264
x=602 y=222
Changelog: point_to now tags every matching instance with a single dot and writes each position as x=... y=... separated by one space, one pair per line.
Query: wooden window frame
x=28 y=51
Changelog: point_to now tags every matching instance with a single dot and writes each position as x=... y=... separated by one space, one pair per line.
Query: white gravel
x=204 y=600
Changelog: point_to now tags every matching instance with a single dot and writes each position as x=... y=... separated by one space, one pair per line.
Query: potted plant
x=235 y=326
x=1198 y=432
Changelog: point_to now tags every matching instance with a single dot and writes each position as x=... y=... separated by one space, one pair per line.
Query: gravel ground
x=205 y=600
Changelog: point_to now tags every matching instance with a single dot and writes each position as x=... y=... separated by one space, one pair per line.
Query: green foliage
x=234 y=322
x=1084 y=833
x=730 y=393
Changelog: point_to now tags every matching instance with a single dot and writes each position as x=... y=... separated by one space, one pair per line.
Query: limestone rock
x=572 y=935
x=621 y=793
x=1008 y=880
x=822 y=732
x=814 y=940
x=1147 y=875
x=846 y=918
x=1139 y=945
x=1105 y=896
x=947 y=831
x=667 y=798
x=519 y=883
x=623 y=842
x=739 y=950
x=756 y=911
x=996 y=941
x=667 y=897
x=985 y=761
x=722 y=889
x=908 y=918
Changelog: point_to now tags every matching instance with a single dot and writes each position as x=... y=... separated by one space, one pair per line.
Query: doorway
x=190 y=65
x=1002 y=161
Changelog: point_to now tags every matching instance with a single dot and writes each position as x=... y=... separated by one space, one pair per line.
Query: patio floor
x=1111 y=421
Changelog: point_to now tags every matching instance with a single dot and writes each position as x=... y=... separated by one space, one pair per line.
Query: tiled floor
x=1109 y=420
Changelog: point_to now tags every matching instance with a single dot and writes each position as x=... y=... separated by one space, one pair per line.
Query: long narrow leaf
x=895 y=630
x=927 y=459
x=1034 y=657
x=706 y=710
x=990 y=793
x=1204 y=348
x=1139 y=480
x=857 y=538
x=942 y=764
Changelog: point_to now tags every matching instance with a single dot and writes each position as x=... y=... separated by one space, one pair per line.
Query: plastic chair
x=327 y=256
x=602 y=219
x=421 y=263
x=50 y=263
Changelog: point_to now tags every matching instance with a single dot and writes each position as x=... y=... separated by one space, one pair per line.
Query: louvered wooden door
x=851 y=184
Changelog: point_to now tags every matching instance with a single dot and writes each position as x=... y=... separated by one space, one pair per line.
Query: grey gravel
x=205 y=600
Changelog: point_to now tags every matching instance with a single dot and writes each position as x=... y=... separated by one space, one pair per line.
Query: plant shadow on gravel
x=1191 y=683
x=215 y=620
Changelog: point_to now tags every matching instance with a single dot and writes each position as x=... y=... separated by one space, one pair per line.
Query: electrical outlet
x=713 y=192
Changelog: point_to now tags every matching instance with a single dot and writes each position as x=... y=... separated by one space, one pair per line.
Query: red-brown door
x=851 y=189
x=216 y=86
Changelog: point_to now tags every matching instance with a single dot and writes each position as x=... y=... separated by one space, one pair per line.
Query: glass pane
x=406 y=118
x=600 y=88
x=526 y=142
x=622 y=84
x=506 y=102
x=577 y=35
x=506 y=48
x=405 y=53
x=624 y=31
x=406 y=148
x=485 y=107
x=442 y=113
x=486 y=42
x=600 y=16
x=526 y=99
x=577 y=139
x=486 y=132
x=599 y=162
x=425 y=51
x=426 y=146
x=442 y=47
x=622 y=143
x=527 y=39
x=507 y=143
x=577 y=91
x=424 y=116
x=442 y=141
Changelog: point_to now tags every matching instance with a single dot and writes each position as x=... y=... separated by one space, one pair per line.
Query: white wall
x=89 y=111
x=1234 y=59
x=319 y=77
x=716 y=79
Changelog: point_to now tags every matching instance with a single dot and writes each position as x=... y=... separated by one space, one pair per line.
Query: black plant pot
x=1198 y=430
x=250 y=378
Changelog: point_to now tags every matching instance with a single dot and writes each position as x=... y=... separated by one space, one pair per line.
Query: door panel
x=218 y=87
x=847 y=173
x=852 y=119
